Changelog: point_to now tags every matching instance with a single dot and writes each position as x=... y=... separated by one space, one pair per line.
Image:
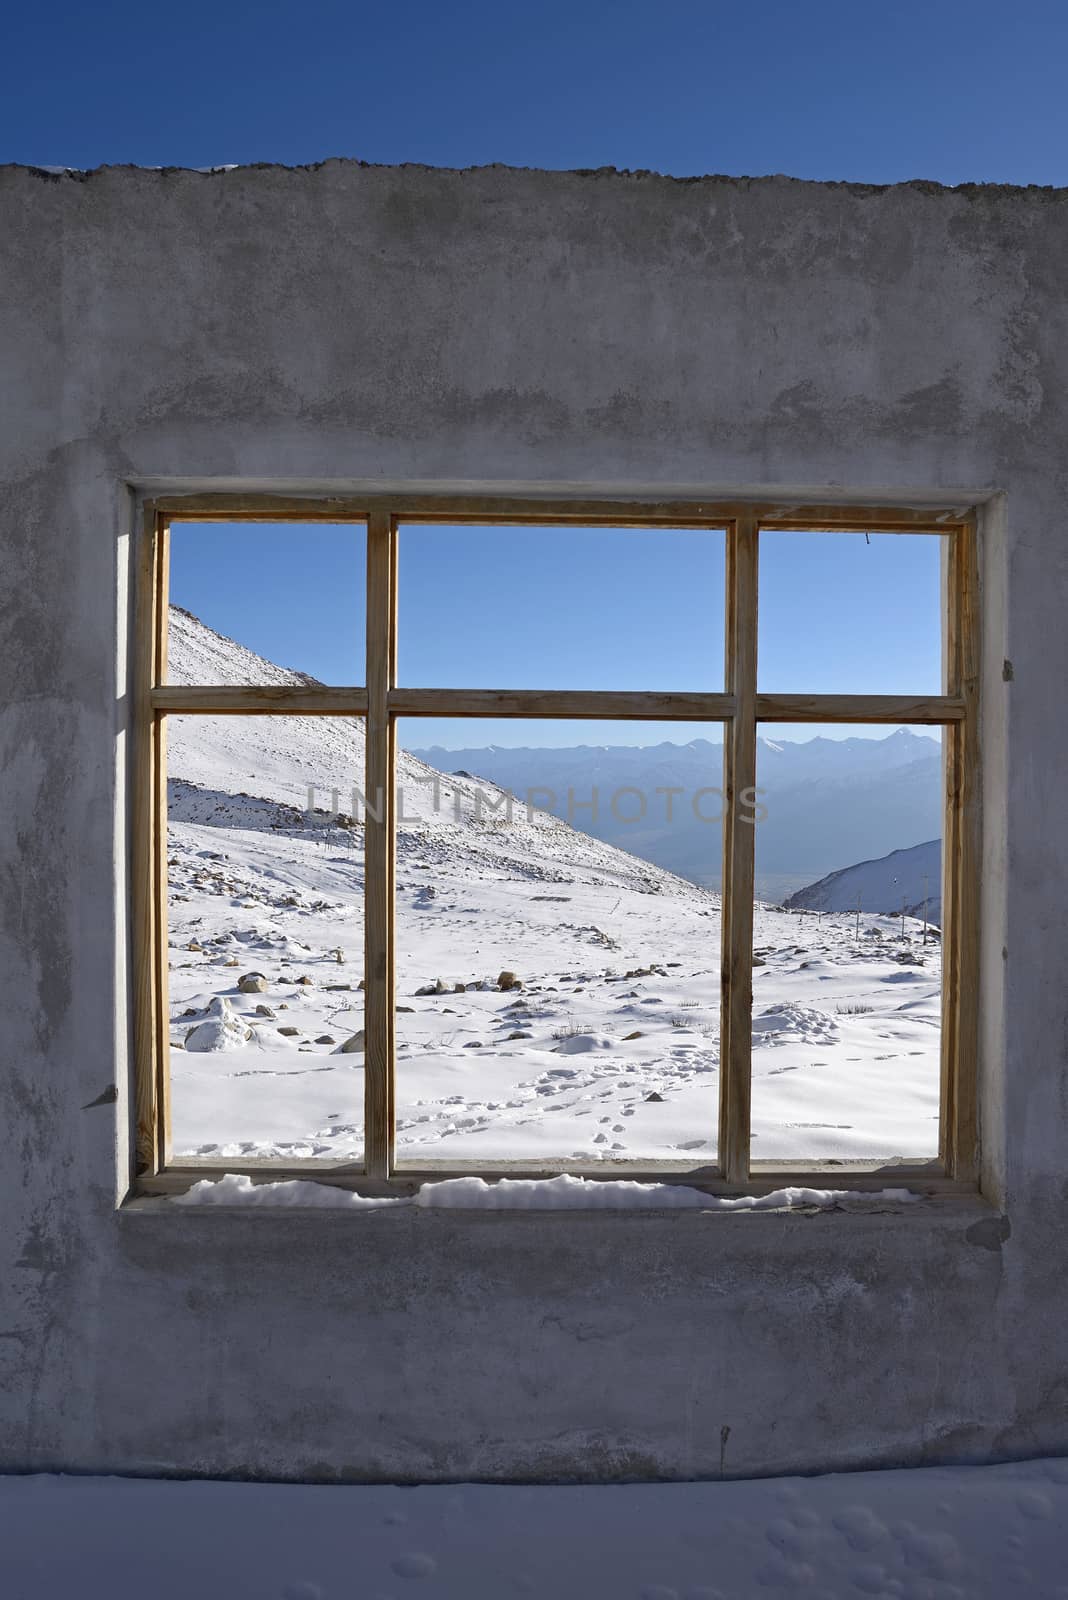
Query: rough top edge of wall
x=975 y=191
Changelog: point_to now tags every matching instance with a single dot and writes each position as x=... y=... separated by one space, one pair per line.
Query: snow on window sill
x=562 y=1193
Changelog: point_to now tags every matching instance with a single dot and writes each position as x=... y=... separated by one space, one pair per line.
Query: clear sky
x=948 y=89
x=566 y=608
x=953 y=90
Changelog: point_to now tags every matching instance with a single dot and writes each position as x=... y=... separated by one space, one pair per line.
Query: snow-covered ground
x=608 y=1048
x=963 y=1533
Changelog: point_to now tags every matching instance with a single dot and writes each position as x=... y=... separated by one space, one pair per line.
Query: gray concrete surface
x=346 y=325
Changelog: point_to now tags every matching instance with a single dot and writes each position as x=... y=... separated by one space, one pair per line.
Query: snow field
x=961 y=1533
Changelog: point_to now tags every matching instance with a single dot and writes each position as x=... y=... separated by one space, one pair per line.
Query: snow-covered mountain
x=905 y=878
x=558 y=998
x=287 y=758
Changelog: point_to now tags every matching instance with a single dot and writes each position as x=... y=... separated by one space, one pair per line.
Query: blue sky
x=559 y=608
x=953 y=90
x=948 y=89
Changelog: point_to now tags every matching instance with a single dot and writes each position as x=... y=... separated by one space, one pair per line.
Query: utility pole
x=902 y=919
x=858 y=918
x=925 y=908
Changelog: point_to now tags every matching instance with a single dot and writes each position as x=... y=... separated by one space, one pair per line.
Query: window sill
x=812 y=1189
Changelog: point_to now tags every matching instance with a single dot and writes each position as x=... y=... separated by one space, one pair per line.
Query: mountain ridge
x=829 y=802
x=905 y=879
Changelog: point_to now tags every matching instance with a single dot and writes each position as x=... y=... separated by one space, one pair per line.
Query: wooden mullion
x=143 y=921
x=610 y=704
x=257 y=700
x=148 y=849
x=950 y=830
x=159 y=860
x=888 y=708
x=949 y=1052
x=638 y=514
x=542 y=510
x=379 y=1021
x=739 y=776
x=391 y=852
x=958 y=1141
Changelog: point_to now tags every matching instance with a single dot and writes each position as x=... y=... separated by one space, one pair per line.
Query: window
x=288 y=934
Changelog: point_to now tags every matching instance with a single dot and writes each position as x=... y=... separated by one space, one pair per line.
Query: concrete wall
x=349 y=325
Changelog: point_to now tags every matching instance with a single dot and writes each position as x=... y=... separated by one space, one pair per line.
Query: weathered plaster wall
x=350 y=325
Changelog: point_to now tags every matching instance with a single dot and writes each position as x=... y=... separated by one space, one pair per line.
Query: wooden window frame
x=740 y=709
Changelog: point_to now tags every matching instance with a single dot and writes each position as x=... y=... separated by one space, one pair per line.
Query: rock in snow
x=221 y=1029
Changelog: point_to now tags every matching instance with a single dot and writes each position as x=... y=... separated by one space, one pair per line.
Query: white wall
x=346 y=325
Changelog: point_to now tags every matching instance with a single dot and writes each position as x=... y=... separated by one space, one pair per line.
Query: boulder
x=252 y=983
x=508 y=980
x=353 y=1046
x=221 y=1029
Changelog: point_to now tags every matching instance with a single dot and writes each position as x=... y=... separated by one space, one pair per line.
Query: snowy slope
x=610 y=1049
x=909 y=878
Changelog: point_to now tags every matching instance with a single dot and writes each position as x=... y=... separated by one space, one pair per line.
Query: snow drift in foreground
x=563 y=1193
x=936 y=1533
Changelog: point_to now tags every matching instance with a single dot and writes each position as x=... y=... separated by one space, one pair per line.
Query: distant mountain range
x=829 y=803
